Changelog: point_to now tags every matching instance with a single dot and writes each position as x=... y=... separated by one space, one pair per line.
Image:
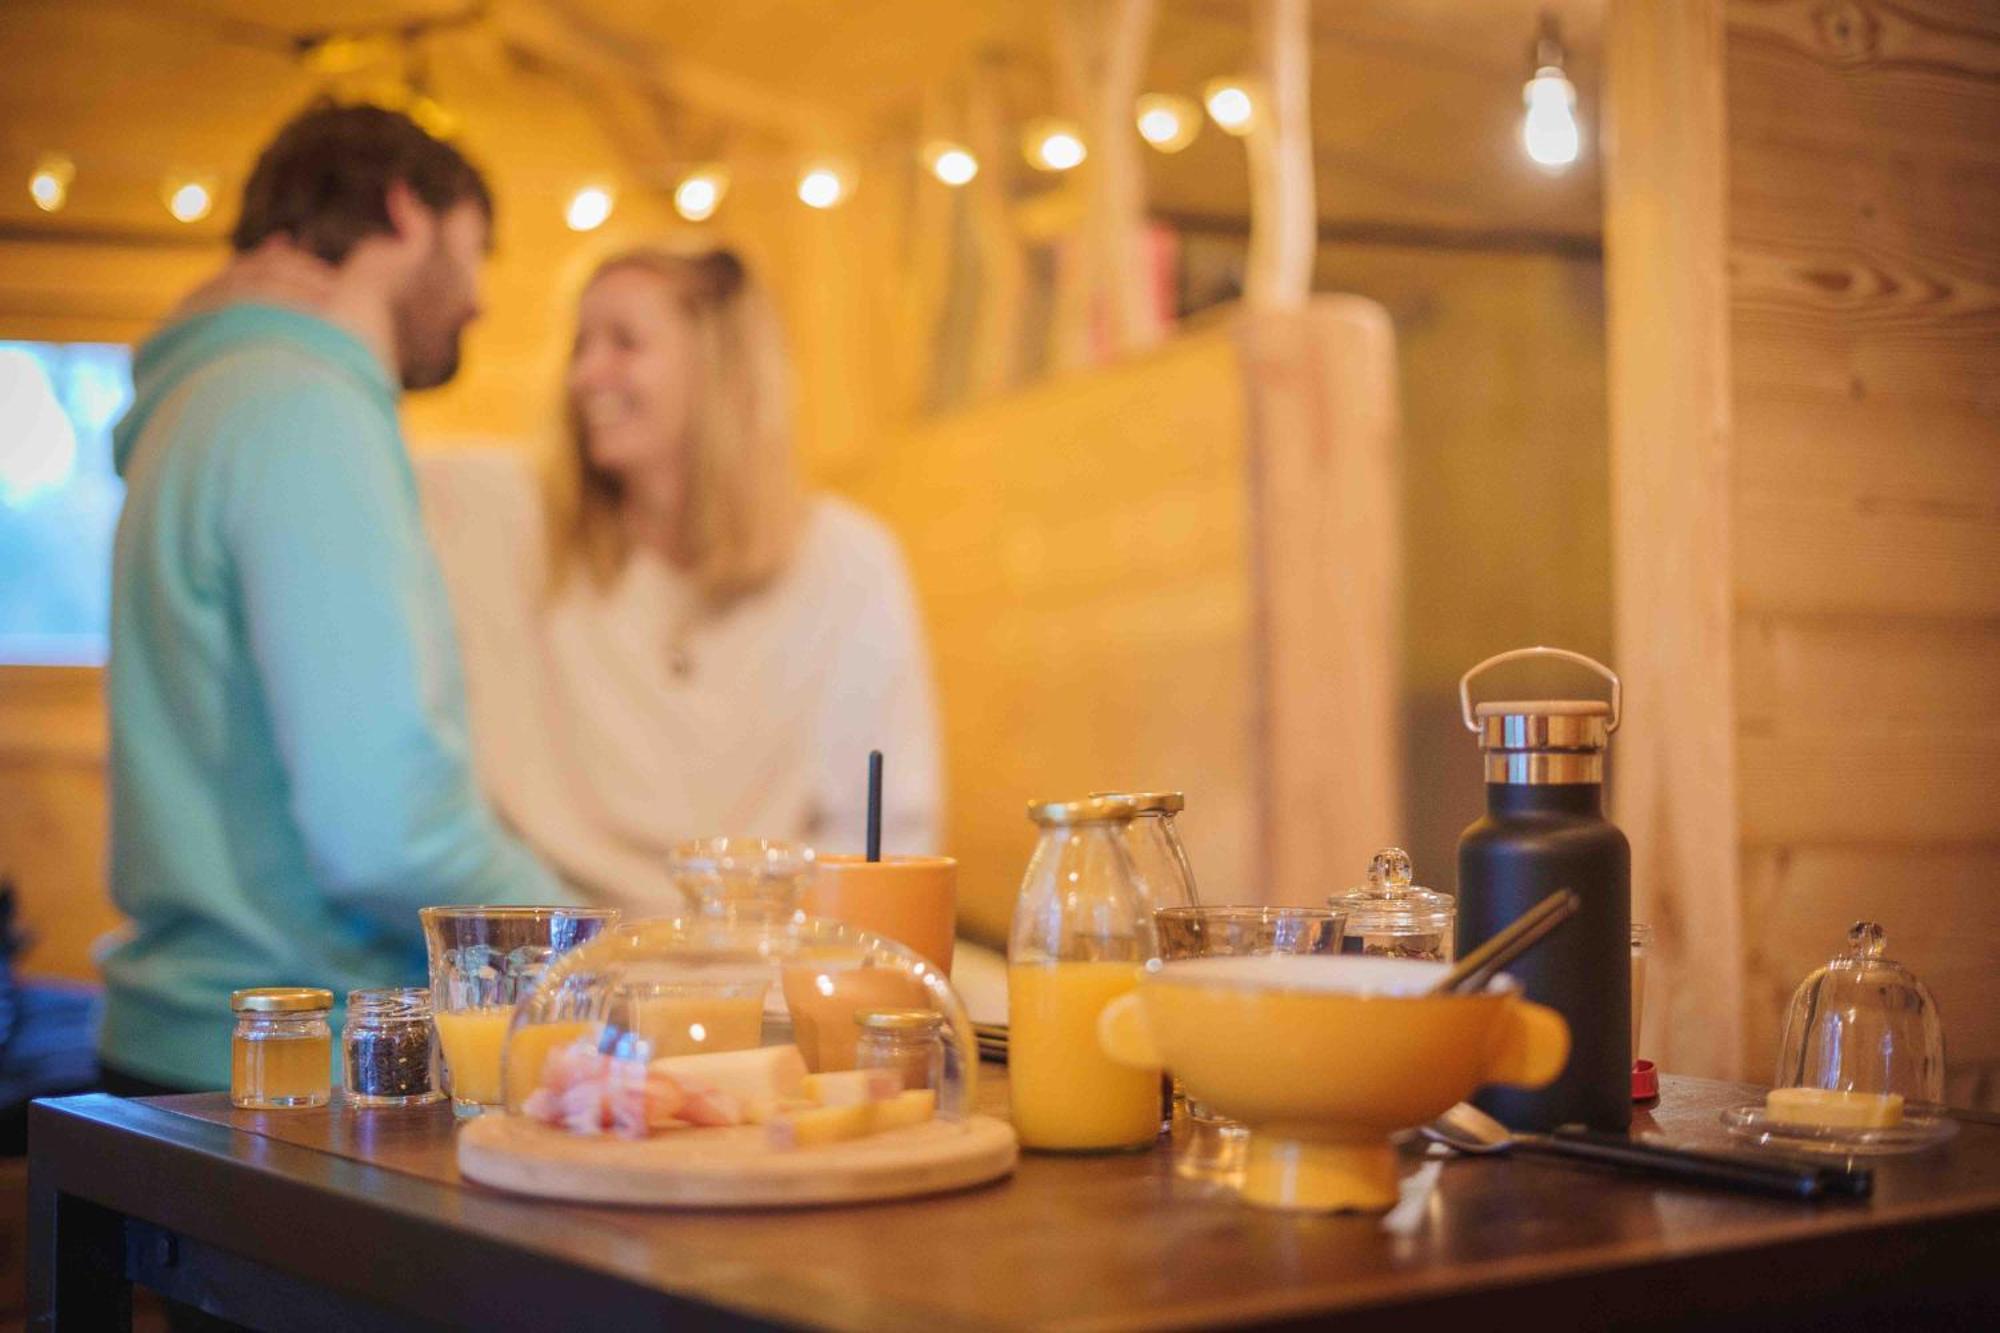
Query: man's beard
x=426 y=328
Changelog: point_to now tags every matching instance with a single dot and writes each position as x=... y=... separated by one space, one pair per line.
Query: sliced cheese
x=758 y=1076
x=905 y=1109
x=852 y=1087
x=821 y=1125
x=1828 y=1109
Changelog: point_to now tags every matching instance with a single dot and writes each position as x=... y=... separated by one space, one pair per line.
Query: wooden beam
x=1408 y=235
x=1674 y=778
x=1283 y=212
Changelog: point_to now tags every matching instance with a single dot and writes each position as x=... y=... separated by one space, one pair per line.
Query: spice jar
x=905 y=1040
x=390 y=1047
x=281 y=1055
x=1393 y=918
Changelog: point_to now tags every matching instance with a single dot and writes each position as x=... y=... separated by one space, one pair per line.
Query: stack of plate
x=992 y=1039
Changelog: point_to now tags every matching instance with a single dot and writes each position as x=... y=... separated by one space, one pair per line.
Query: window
x=59 y=498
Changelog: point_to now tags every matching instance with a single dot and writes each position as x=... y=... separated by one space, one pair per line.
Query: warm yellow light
x=48 y=186
x=589 y=208
x=1549 y=131
x=189 y=200
x=700 y=193
x=436 y=119
x=1167 y=121
x=823 y=187
x=1053 y=145
x=951 y=163
x=1230 y=105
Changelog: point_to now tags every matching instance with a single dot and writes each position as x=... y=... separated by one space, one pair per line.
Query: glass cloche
x=701 y=985
x=1863 y=1023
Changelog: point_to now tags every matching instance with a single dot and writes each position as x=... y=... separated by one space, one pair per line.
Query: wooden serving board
x=733 y=1167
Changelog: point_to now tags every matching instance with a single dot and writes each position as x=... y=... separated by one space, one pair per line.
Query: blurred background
x=1040 y=264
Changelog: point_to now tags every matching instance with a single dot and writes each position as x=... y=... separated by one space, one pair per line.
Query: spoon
x=1470 y=1130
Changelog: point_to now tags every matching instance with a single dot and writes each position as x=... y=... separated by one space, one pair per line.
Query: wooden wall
x=1803 y=226
x=1864 y=305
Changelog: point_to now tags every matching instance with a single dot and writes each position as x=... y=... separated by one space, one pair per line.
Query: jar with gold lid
x=905 y=1040
x=281 y=1055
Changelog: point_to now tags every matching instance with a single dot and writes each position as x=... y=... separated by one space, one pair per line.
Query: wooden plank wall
x=1864 y=258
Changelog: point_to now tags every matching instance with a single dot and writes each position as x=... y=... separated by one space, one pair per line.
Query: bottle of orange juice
x=1083 y=927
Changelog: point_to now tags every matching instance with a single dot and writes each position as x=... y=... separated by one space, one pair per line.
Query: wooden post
x=1117 y=208
x=1284 y=213
x=1674 y=766
x=1326 y=541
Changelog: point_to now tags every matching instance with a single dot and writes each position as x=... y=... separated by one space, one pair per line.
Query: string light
x=1167 y=121
x=1053 y=145
x=589 y=208
x=1548 y=130
x=188 y=200
x=49 y=184
x=1230 y=105
x=951 y=163
x=700 y=193
x=823 y=187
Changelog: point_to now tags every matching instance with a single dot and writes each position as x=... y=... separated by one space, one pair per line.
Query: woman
x=673 y=641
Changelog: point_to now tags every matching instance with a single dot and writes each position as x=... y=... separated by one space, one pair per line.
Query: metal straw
x=874 y=805
x=1473 y=971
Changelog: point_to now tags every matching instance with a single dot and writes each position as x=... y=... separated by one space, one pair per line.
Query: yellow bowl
x=1326 y=1057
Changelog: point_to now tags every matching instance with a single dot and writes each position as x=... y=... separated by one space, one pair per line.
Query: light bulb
x=189 y=200
x=1166 y=121
x=1053 y=145
x=48 y=186
x=822 y=187
x=589 y=208
x=1230 y=106
x=951 y=163
x=1549 y=130
x=700 y=193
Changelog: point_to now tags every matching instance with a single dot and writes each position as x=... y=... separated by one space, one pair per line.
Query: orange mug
x=911 y=899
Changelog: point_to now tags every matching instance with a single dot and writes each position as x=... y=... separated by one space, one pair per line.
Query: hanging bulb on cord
x=1548 y=129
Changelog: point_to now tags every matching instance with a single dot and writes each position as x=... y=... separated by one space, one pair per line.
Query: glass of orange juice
x=913 y=900
x=482 y=961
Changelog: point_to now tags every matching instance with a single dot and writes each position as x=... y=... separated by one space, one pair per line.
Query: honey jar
x=281 y=1055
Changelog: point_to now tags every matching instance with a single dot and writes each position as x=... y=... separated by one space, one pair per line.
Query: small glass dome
x=1864 y=1023
x=654 y=989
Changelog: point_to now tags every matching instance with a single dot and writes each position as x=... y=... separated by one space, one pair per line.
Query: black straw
x=874 y=805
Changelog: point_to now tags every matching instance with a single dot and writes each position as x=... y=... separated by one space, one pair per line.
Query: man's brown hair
x=324 y=181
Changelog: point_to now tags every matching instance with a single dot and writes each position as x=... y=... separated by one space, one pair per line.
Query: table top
x=1096 y=1242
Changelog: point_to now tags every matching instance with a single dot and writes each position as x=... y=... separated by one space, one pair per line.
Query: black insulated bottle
x=1545 y=830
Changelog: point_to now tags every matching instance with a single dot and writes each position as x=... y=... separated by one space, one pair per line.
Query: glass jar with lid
x=281 y=1053
x=905 y=1040
x=1083 y=927
x=1153 y=843
x=1391 y=917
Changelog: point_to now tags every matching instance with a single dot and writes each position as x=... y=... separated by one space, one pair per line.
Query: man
x=290 y=772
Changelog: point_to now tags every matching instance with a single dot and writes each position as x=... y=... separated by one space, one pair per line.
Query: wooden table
x=341 y=1220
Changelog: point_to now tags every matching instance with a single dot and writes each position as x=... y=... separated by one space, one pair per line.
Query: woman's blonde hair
x=742 y=507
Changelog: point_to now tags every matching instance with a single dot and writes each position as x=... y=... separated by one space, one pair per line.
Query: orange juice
x=824 y=998
x=472 y=1040
x=687 y=1021
x=528 y=1052
x=1067 y=1093
x=911 y=899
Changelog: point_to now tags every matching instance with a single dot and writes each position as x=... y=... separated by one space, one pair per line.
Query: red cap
x=1645 y=1081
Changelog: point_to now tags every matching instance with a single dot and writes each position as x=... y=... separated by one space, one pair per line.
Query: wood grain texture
x=53 y=814
x=1864 y=227
x=1674 y=791
x=1325 y=485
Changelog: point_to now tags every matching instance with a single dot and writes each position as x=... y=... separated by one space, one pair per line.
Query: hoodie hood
x=187 y=345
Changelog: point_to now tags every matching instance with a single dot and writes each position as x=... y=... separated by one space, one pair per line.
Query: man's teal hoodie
x=291 y=776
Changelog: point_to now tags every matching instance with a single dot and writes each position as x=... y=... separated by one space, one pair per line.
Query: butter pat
x=821 y=1125
x=1826 y=1109
x=852 y=1087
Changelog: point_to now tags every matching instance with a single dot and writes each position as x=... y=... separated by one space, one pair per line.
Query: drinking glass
x=740 y=880
x=1208 y=1147
x=483 y=960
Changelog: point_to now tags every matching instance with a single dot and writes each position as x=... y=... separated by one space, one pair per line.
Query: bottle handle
x=1515 y=654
